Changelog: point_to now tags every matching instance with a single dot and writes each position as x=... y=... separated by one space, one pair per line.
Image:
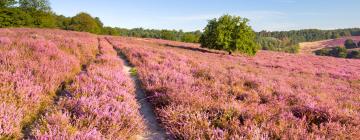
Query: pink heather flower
x=5 y=41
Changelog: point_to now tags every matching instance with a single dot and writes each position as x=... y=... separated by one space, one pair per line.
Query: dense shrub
x=323 y=52
x=339 y=52
x=354 y=54
x=14 y=17
x=230 y=33
x=43 y=19
x=274 y=44
x=190 y=37
x=350 y=44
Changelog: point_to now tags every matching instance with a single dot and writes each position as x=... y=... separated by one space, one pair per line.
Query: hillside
x=71 y=85
x=310 y=47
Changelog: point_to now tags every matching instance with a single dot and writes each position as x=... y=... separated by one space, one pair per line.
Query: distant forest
x=38 y=14
x=288 y=41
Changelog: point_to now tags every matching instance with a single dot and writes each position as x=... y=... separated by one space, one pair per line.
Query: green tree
x=7 y=3
x=41 y=5
x=43 y=19
x=335 y=35
x=230 y=33
x=63 y=22
x=85 y=23
x=168 y=35
x=14 y=17
x=350 y=44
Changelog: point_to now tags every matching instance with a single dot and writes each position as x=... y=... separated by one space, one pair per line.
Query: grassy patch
x=133 y=72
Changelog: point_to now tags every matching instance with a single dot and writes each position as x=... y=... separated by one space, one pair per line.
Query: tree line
x=38 y=14
x=288 y=41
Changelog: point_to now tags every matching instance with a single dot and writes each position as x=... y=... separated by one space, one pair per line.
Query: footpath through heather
x=154 y=130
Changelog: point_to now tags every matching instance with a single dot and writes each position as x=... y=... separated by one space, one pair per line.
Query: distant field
x=310 y=47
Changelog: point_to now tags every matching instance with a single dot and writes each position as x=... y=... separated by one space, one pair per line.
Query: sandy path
x=154 y=131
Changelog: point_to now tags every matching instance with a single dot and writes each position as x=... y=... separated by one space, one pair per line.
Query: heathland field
x=58 y=84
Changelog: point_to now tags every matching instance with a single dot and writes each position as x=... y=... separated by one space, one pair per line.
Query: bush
x=354 y=54
x=340 y=52
x=350 y=44
x=230 y=33
x=323 y=52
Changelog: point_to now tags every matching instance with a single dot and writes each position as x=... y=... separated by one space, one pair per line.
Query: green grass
x=133 y=72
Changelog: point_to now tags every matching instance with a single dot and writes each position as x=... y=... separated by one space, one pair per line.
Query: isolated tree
x=41 y=5
x=350 y=44
x=85 y=23
x=230 y=33
x=7 y=3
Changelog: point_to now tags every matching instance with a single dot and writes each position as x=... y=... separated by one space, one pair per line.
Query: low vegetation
x=33 y=65
x=59 y=84
x=99 y=104
x=203 y=94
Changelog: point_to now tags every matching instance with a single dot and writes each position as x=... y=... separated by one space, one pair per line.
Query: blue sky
x=191 y=15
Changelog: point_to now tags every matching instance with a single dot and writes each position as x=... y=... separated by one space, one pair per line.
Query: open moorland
x=58 y=84
x=199 y=93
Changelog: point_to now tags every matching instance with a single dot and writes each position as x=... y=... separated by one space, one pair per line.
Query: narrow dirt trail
x=154 y=131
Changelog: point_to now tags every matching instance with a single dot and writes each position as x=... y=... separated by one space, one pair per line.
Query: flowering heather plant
x=201 y=94
x=33 y=64
x=99 y=104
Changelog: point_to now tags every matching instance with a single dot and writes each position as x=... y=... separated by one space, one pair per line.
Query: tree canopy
x=7 y=3
x=230 y=33
x=41 y=5
x=84 y=22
